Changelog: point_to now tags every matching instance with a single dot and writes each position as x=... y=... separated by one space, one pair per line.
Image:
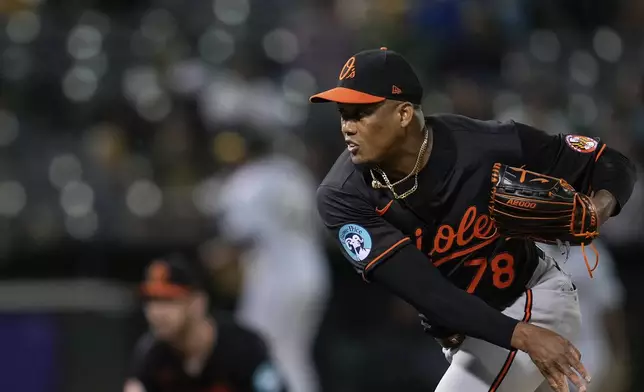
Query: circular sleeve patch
x=356 y=241
x=583 y=144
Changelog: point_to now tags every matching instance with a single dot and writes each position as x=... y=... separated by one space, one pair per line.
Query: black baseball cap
x=372 y=76
x=170 y=277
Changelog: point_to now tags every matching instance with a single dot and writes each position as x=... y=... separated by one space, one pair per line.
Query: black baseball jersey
x=239 y=362
x=447 y=216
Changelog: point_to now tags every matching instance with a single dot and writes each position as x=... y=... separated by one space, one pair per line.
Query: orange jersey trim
x=383 y=254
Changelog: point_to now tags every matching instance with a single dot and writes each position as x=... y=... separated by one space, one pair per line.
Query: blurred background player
x=268 y=223
x=601 y=339
x=186 y=349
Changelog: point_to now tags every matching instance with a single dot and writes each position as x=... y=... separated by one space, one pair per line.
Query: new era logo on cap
x=372 y=76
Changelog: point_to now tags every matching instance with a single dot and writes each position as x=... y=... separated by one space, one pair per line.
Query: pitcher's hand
x=556 y=358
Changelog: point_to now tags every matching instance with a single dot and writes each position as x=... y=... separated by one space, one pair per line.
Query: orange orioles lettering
x=475 y=231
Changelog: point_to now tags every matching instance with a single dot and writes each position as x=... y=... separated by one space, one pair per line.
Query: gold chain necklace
x=377 y=184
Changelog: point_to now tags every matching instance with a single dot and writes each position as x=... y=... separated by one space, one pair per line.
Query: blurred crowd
x=121 y=121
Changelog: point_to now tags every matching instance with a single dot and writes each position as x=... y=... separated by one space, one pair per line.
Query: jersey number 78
x=502 y=266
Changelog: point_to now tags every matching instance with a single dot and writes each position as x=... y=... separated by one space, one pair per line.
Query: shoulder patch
x=583 y=144
x=356 y=241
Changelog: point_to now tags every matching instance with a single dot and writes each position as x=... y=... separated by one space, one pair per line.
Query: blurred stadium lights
x=154 y=107
x=281 y=45
x=544 y=46
x=98 y=64
x=228 y=147
x=84 y=42
x=77 y=199
x=82 y=227
x=224 y=99
x=95 y=19
x=13 y=198
x=607 y=45
x=267 y=108
x=16 y=63
x=144 y=198
x=584 y=69
x=205 y=196
x=9 y=128
x=65 y=169
x=232 y=12
x=80 y=83
x=582 y=109
x=103 y=141
x=187 y=77
x=140 y=81
x=23 y=27
x=298 y=85
x=216 y=46
x=141 y=86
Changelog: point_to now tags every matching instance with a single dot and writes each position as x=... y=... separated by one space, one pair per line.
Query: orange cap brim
x=345 y=95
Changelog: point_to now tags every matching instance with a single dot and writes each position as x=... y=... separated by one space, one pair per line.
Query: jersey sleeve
x=586 y=163
x=364 y=237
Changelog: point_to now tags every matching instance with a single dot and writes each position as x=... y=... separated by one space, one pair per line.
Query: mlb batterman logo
x=356 y=241
x=580 y=143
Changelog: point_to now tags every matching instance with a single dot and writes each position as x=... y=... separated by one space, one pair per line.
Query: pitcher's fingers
x=579 y=368
x=574 y=378
x=556 y=379
x=575 y=350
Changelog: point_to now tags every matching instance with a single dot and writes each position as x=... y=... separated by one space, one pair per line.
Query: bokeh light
x=281 y=45
x=82 y=227
x=545 y=46
x=13 y=198
x=77 y=199
x=229 y=147
x=80 y=84
x=84 y=42
x=205 y=196
x=23 y=27
x=232 y=12
x=216 y=46
x=607 y=44
x=584 y=68
x=298 y=85
x=144 y=198
x=64 y=169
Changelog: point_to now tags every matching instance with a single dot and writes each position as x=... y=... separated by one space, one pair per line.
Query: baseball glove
x=542 y=208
